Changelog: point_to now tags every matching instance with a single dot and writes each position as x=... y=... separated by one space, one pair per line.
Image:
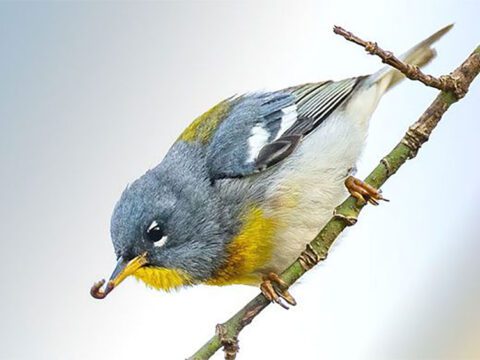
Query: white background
x=93 y=94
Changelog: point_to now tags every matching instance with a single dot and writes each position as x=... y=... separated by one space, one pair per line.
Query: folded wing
x=263 y=129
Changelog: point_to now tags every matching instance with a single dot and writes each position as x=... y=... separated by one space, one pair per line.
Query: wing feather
x=264 y=129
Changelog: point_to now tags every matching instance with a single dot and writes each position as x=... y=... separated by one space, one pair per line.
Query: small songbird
x=248 y=184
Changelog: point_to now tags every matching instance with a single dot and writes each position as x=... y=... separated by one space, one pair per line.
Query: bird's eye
x=155 y=234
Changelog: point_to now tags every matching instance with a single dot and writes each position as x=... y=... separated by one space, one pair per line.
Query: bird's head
x=163 y=236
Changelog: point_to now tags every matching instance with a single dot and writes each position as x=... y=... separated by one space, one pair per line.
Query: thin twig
x=444 y=83
x=346 y=214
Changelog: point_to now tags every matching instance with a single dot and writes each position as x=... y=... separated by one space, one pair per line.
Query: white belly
x=310 y=183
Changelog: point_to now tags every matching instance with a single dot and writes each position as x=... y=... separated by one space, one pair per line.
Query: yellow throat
x=162 y=278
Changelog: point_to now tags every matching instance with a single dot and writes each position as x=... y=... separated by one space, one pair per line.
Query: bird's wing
x=262 y=129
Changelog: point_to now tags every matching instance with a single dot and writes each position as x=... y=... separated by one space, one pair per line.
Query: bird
x=248 y=184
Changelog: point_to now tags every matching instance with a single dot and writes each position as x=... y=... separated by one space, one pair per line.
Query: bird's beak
x=123 y=269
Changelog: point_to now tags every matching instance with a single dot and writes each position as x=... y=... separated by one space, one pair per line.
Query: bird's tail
x=420 y=55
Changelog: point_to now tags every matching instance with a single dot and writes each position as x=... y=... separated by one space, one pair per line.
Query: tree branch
x=346 y=214
x=444 y=83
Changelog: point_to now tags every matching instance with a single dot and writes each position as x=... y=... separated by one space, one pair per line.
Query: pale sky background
x=93 y=94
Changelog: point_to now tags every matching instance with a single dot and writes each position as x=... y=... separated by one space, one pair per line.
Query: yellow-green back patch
x=203 y=127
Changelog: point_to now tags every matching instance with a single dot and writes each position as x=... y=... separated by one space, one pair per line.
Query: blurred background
x=94 y=94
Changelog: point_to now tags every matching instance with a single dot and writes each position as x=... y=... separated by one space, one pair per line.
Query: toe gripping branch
x=274 y=288
x=363 y=192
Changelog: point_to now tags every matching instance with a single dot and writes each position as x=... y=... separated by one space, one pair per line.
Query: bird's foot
x=363 y=192
x=275 y=290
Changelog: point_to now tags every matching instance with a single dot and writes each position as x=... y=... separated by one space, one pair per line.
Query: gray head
x=166 y=230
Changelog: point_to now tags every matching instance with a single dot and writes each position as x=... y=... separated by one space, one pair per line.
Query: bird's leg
x=362 y=191
x=275 y=289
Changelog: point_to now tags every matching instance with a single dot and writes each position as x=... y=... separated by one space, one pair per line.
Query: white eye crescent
x=160 y=242
x=154 y=224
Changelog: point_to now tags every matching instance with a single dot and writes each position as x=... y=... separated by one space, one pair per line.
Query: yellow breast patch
x=203 y=127
x=248 y=251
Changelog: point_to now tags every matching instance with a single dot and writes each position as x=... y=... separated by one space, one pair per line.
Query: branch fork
x=444 y=83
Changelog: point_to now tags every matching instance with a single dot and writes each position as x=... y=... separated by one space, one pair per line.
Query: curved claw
x=275 y=290
x=97 y=292
x=363 y=192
